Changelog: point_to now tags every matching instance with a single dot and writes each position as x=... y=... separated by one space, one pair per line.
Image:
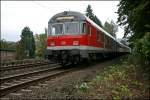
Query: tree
x=89 y=13
x=20 y=50
x=134 y=15
x=26 y=46
x=40 y=44
x=111 y=28
x=97 y=21
x=7 y=44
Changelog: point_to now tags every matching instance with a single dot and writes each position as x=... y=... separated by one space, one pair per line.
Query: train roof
x=77 y=16
x=81 y=17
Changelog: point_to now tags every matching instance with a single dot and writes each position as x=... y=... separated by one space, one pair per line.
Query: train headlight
x=75 y=42
x=52 y=43
x=63 y=43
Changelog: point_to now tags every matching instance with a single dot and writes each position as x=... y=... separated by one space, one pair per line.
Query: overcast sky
x=15 y=15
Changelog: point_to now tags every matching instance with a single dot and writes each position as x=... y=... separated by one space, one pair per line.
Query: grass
x=120 y=81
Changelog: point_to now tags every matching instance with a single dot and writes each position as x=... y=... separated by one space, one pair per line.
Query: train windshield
x=71 y=28
x=57 y=29
x=64 y=28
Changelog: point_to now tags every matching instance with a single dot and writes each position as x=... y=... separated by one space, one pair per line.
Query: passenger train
x=73 y=37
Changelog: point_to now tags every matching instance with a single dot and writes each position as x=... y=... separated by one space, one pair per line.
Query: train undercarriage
x=67 y=57
x=64 y=57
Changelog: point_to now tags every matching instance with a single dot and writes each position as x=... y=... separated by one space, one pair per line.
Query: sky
x=15 y=15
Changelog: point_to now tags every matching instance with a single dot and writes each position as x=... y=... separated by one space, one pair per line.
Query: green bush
x=83 y=87
x=141 y=52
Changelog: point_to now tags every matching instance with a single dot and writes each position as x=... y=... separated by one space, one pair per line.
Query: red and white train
x=73 y=37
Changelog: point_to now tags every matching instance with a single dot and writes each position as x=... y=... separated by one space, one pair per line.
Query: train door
x=100 y=39
x=88 y=28
x=91 y=31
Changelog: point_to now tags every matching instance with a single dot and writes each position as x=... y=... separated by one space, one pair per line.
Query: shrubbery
x=141 y=52
x=121 y=81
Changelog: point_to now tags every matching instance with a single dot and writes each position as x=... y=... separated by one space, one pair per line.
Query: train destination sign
x=65 y=18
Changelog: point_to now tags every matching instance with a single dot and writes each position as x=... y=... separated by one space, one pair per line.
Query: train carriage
x=73 y=37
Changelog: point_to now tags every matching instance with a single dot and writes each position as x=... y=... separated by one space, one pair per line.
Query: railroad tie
x=24 y=79
x=35 y=87
x=26 y=90
x=8 y=84
x=16 y=94
x=3 y=86
x=35 y=77
x=5 y=98
x=42 y=84
x=16 y=81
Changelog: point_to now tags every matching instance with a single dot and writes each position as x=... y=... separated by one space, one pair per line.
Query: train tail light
x=75 y=42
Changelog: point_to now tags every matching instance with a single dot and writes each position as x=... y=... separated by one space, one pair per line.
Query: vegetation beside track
x=119 y=81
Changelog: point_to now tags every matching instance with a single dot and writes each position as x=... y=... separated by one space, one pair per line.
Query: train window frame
x=49 y=30
x=56 y=34
x=81 y=28
x=102 y=37
x=98 y=35
x=74 y=33
x=89 y=30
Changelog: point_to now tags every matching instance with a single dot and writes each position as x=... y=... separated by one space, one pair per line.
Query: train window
x=71 y=28
x=53 y=30
x=102 y=36
x=98 y=36
x=83 y=27
x=49 y=29
x=88 y=29
x=57 y=29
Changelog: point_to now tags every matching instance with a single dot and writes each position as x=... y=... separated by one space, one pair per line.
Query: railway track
x=12 y=77
x=16 y=82
x=13 y=67
x=23 y=68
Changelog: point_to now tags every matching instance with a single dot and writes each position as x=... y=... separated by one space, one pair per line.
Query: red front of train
x=73 y=37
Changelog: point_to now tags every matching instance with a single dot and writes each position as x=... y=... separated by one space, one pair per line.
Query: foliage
x=7 y=44
x=40 y=44
x=111 y=28
x=141 y=51
x=117 y=82
x=26 y=46
x=89 y=13
x=83 y=87
x=134 y=15
x=97 y=21
x=20 y=51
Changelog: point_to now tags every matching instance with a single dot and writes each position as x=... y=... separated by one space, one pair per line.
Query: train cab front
x=66 y=33
x=65 y=47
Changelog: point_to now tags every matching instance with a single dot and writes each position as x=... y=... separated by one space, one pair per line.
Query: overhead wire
x=48 y=9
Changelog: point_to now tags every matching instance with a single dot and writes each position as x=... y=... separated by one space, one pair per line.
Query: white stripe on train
x=81 y=48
